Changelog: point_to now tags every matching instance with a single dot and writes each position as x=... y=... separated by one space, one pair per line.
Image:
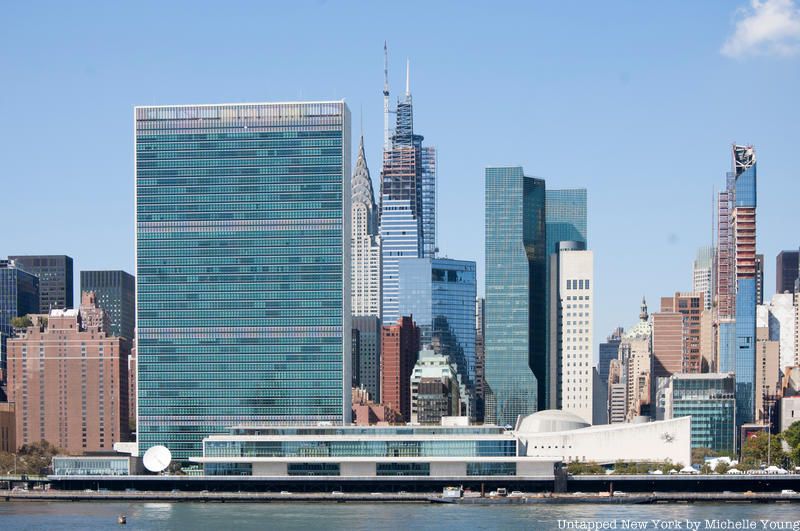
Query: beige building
x=690 y=306
x=708 y=341
x=768 y=373
x=635 y=353
x=69 y=380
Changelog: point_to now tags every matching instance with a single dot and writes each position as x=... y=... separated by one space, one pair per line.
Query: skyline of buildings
x=246 y=279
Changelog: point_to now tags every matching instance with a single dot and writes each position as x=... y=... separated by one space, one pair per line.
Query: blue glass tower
x=744 y=224
x=115 y=292
x=516 y=355
x=440 y=294
x=400 y=240
x=565 y=217
x=243 y=273
x=19 y=296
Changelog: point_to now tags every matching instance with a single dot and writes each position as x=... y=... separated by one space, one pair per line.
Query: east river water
x=35 y=515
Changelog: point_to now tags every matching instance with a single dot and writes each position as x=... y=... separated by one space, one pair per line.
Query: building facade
x=69 y=380
x=571 y=329
x=369 y=354
x=703 y=275
x=768 y=376
x=690 y=306
x=366 y=243
x=609 y=351
x=516 y=267
x=400 y=344
x=19 y=296
x=243 y=267
x=709 y=399
x=787 y=271
x=440 y=294
x=744 y=231
x=780 y=317
x=115 y=292
x=55 y=279
x=435 y=390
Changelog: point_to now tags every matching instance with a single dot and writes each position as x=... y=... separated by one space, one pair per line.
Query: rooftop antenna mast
x=385 y=97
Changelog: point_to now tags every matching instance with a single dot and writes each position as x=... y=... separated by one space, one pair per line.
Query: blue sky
x=636 y=101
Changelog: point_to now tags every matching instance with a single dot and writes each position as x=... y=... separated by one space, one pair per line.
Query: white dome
x=550 y=420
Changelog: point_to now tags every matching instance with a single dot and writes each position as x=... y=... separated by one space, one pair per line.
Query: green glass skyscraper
x=243 y=273
x=516 y=354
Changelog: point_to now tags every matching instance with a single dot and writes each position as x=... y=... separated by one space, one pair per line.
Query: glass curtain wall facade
x=429 y=201
x=710 y=400
x=55 y=279
x=243 y=273
x=440 y=294
x=19 y=296
x=115 y=293
x=565 y=220
x=744 y=225
x=516 y=355
x=399 y=240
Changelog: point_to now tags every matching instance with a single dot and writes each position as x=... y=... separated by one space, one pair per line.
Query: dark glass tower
x=19 y=296
x=243 y=268
x=786 y=271
x=115 y=294
x=55 y=279
x=516 y=349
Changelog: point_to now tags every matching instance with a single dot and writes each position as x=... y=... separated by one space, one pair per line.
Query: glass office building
x=55 y=279
x=440 y=294
x=516 y=355
x=400 y=240
x=744 y=224
x=243 y=273
x=565 y=220
x=19 y=296
x=115 y=293
x=711 y=402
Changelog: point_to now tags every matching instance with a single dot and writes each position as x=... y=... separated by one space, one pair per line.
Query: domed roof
x=550 y=420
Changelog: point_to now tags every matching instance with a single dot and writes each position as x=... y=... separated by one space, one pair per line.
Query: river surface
x=38 y=515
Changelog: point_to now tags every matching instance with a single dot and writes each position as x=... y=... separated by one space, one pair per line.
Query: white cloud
x=767 y=27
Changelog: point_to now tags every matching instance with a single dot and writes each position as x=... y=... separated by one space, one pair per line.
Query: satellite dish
x=157 y=458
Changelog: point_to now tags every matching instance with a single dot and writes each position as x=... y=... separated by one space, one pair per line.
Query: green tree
x=579 y=467
x=722 y=467
x=35 y=458
x=792 y=434
x=21 y=322
x=757 y=450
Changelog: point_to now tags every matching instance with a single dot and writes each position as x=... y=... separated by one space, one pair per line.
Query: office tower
x=710 y=400
x=366 y=244
x=55 y=279
x=480 y=355
x=69 y=380
x=243 y=268
x=115 y=292
x=571 y=329
x=440 y=294
x=609 y=351
x=369 y=353
x=565 y=220
x=780 y=316
x=617 y=393
x=399 y=240
x=565 y=217
x=768 y=375
x=435 y=389
x=429 y=164
x=19 y=296
x=708 y=343
x=703 y=275
x=787 y=271
x=744 y=231
x=635 y=355
x=759 y=279
x=408 y=201
x=399 y=347
x=516 y=261
x=355 y=362
x=690 y=306
x=669 y=355
x=599 y=399
x=668 y=344
x=132 y=391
